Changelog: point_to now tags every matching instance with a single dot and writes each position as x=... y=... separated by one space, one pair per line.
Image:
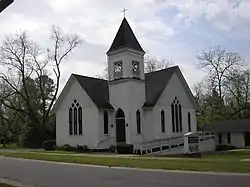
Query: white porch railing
x=175 y=144
x=156 y=146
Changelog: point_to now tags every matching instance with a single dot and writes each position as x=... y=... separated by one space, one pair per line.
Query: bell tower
x=126 y=77
x=125 y=56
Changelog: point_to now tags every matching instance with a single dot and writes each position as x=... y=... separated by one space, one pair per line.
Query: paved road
x=45 y=174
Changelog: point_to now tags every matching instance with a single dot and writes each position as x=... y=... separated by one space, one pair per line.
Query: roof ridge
x=88 y=77
x=168 y=68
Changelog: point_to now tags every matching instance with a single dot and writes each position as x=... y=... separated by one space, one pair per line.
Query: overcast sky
x=177 y=30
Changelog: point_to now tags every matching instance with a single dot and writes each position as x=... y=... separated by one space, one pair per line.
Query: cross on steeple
x=124 y=11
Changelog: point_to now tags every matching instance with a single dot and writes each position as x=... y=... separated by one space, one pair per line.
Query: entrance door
x=120 y=127
x=247 y=139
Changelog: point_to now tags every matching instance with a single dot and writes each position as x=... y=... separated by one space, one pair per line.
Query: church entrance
x=120 y=127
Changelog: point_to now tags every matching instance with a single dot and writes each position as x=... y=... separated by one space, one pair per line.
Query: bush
x=125 y=149
x=49 y=145
x=224 y=147
x=65 y=147
x=78 y=148
x=82 y=149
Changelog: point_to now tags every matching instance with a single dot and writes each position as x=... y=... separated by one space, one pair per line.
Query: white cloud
x=97 y=21
x=226 y=15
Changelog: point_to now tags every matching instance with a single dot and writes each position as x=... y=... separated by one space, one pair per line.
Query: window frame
x=229 y=138
x=138 y=121
x=173 y=117
x=75 y=120
x=189 y=122
x=80 y=129
x=118 y=75
x=137 y=72
x=105 y=123
x=220 y=138
x=163 y=127
x=70 y=121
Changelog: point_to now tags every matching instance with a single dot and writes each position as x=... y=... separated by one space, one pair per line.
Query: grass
x=5 y=185
x=211 y=164
x=239 y=154
x=9 y=146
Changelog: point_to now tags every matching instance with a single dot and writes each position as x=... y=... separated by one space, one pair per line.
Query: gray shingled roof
x=98 y=89
x=240 y=125
x=125 y=38
x=156 y=83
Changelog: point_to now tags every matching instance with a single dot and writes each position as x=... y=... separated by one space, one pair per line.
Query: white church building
x=132 y=107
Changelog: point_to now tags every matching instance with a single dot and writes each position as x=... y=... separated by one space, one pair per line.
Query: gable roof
x=240 y=125
x=156 y=83
x=97 y=89
x=125 y=38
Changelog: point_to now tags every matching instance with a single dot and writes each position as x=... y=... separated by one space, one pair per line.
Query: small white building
x=231 y=132
x=131 y=107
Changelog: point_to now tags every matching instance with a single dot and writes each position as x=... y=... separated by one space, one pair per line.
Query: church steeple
x=125 y=38
x=125 y=56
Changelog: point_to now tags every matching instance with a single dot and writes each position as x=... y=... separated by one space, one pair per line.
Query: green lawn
x=211 y=164
x=5 y=185
x=233 y=154
x=9 y=146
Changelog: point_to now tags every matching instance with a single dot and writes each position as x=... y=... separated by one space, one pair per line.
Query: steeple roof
x=125 y=38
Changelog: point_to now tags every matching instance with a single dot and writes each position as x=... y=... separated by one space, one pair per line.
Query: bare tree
x=104 y=75
x=152 y=64
x=25 y=60
x=219 y=64
x=237 y=88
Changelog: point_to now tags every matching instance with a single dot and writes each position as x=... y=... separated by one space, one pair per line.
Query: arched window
x=172 y=114
x=180 y=117
x=138 y=121
x=162 y=121
x=75 y=119
x=189 y=122
x=118 y=70
x=80 y=120
x=135 y=69
x=70 y=122
x=176 y=112
x=106 y=122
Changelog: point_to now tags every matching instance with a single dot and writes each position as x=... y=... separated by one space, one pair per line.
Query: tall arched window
x=180 y=117
x=162 y=121
x=138 y=121
x=176 y=112
x=106 y=122
x=80 y=120
x=75 y=119
x=172 y=114
x=189 y=122
x=70 y=122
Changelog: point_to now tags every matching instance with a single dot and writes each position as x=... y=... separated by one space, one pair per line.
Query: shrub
x=78 y=148
x=65 y=147
x=49 y=145
x=224 y=147
x=125 y=149
x=82 y=148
